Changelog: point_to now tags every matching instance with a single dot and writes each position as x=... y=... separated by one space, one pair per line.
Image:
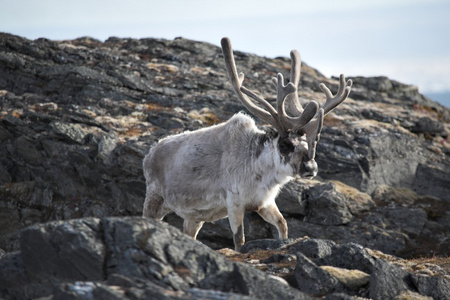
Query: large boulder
x=328 y=270
x=139 y=258
x=126 y=258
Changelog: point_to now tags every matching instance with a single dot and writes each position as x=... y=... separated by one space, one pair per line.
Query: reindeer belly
x=200 y=210
x=199 y=204
x=206 y=215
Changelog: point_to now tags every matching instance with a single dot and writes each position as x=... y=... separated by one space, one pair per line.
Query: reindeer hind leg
x=192 y=228
x=154 y=206
x=236 y=219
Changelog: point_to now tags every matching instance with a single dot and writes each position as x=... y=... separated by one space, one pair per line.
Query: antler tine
x=312 y=130
x=283 y=91
x=341 y=95
x=261 y=100
x=314 y=127
x=295 y=67
x=236 y=82
x=293 y=102
x=308 y=120
x=292 y=99
x=308 y=113
x=283 y=94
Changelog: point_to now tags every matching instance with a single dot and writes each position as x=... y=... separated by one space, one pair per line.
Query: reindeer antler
x=308 y=120
x=236 y=82
x=276 y=117
x=293 y=102
x=341 y=95
x=314 y=127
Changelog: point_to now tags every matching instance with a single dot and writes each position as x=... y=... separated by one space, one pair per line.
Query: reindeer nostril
x=308 y=169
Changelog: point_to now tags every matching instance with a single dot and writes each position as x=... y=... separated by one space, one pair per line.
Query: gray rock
x=26 y=149
x=139 y=258
x=106 y=145
x=152 y=250
x=342 y=161
x=378 y=116
x=72 y=133
x=313 y=280
x=71 y=250
x=428 y=126
x=394 y=157
x=370 y=232
x=217 y=295
x=264 y=244
x=87 y=290
x=15 y=282
x=433 y=180
x=388 y=281
x=437 y=287
x=410 y=220
x=381 y=85
x=391 y=241
x=165 y=121
x=115 y=258
x=290 y=199
x=242 y=281
x=313 y=248
x=349 y=256
x=326 y=206
x=340 y=296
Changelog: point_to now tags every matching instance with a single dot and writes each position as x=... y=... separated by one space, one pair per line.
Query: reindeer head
x=298 y=132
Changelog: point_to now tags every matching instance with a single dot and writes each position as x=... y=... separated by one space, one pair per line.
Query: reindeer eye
x=286 y=147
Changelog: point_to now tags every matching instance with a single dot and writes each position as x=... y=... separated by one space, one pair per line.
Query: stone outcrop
x=127 y=258
x=138 y=258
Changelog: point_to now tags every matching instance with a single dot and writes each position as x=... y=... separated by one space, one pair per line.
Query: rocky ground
x=77 y=118
x=137 y=258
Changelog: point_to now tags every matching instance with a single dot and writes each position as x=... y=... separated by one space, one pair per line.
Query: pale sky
x=408 y=41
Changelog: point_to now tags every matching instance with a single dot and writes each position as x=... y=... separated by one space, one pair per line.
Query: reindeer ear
x=270 y=132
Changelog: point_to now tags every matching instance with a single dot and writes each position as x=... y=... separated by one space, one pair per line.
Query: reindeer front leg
x=272 y=215
x=236 y=219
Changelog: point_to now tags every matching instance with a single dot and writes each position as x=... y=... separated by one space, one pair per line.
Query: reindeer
x=234 y=167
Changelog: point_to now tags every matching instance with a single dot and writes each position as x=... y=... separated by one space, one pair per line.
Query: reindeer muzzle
x=308 y=168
